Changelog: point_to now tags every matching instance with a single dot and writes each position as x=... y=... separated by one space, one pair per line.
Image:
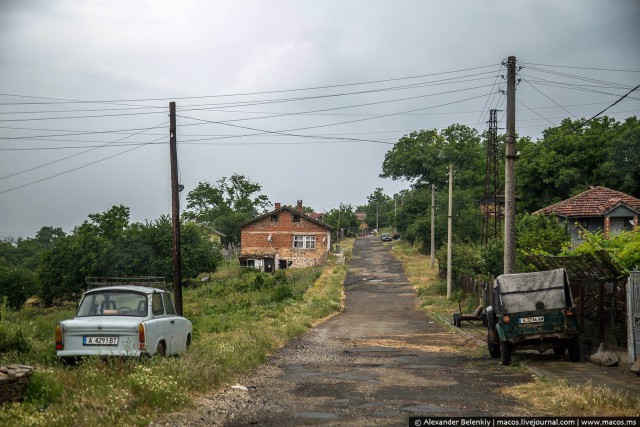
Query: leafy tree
x=343 y=218
x=17 y=284
x=540 y=234
x=379 y=209
x=226 y=205
x=570 y=158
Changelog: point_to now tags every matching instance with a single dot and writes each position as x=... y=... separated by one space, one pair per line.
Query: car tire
x=559 y=350
x=161 y=350
x=494 y=349
x=505 y=352
x=456 y=320
x=574 y=350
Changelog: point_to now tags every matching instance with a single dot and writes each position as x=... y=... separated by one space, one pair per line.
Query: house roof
x=293 y=211
x=594 y=202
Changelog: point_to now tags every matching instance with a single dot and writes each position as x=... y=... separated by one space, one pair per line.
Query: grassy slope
x=238 y=321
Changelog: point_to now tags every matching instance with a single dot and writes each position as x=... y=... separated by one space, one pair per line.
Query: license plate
x=536 y=319
x=100 y=340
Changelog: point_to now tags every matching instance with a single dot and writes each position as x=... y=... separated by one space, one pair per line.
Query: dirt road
x=379 y=362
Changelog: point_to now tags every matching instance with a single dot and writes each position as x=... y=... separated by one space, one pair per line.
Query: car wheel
x=574 y=350
x=161 y=350
x=505 y=352
x=494 y=349
x=456 y=320
x=559 y=350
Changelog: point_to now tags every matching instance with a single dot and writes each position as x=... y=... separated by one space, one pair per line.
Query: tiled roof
x=592 y=203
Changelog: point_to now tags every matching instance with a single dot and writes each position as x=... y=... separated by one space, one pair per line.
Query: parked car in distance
x=533 y=310
x=386 y=237
x=133 y=320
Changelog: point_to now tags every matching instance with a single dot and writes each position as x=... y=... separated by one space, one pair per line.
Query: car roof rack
x=94 y=282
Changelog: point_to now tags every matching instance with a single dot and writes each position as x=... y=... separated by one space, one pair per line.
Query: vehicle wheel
x=505 y=352
x=494 y=349
x=456 y=320
x=160 y=350
x=574 y=350
x=559 y=350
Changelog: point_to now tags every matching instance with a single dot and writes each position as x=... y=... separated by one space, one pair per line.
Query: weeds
x=238 y=320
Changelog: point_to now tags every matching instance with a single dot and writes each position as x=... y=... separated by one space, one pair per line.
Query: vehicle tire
x=574 y=350
x=559 y=350
x=161 y=350
x=494 y=349
x=505 y=352
x=456 y=320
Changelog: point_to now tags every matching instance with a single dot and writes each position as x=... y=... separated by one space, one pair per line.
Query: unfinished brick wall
x=267 y=237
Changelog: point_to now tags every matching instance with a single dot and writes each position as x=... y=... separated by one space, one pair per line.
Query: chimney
x=299 y=207
x=278 y=205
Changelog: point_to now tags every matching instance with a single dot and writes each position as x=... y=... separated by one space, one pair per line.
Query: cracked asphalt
x=378 y=362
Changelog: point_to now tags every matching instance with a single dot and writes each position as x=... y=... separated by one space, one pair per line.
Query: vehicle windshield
x=113 y=303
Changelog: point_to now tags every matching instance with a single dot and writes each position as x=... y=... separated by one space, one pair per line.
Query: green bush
x=282 y=292
x=42 y=390
x=12 y=339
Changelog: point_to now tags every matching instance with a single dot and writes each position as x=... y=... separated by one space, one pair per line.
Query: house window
x=275 y=218
x=295 y=218
x=304 y=242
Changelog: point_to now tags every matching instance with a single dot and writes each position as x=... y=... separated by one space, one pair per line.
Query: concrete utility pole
x=433 y=225
x=510 y=172
x=175 y=210
x=449 y=233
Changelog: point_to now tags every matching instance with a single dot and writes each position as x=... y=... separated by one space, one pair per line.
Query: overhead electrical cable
x=76 y=154
x=79 y=167
x=583 y=122
x=58 y=100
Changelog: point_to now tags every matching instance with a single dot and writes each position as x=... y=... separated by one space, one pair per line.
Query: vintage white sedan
x=124 y=320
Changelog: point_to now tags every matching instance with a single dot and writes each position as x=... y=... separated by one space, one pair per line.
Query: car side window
x=168 y=304
x=156 y=305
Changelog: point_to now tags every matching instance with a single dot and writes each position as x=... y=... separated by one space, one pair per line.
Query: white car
x=124 y=320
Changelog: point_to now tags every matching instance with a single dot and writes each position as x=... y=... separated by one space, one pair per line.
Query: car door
x=174 y=326
x=159 y=326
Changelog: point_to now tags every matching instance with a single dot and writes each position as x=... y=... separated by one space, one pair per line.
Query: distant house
x=362 y=221
x=597 y=209
x=213 y=234
x=284 y=238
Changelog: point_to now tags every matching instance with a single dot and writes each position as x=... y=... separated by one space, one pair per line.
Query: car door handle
x=173 y=321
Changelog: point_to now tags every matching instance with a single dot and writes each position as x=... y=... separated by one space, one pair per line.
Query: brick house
x=284 y=238
x=597 y=209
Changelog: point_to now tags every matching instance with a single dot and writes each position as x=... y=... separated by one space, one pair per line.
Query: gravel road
x=379 y=362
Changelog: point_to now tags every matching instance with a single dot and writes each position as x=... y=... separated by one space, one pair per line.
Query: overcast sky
x=245 y=73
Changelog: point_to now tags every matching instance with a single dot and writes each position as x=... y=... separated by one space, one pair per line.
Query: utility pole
x=377 y=222
x=338 y=231
x=509 y=172
x=175 y=209
x=449 y=233
x=433 y=225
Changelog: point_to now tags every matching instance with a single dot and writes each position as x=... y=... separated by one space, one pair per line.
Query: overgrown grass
x=559 y=398
x=238 y=319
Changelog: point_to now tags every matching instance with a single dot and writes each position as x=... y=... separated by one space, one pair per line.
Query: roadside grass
x=560 y=398
x=544 y=396
x=238 y=320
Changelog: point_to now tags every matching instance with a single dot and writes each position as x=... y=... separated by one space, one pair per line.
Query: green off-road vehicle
x=533 y=310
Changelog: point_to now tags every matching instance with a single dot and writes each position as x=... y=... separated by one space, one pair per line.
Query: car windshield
x=113 y=303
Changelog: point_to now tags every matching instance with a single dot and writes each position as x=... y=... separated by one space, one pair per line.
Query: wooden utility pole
x=175 y=209
x=510 y=172
x=449 y=234
x=433 y=225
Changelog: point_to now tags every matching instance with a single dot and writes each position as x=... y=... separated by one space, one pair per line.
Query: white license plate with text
x=100 y=340
x=536 y=319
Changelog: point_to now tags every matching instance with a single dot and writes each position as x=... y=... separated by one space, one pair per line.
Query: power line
x=580 y=68
x=74 y=155
x=583 y=122
x=62 y=100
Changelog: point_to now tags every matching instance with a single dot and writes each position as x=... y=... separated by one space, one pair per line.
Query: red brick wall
x=254 y=239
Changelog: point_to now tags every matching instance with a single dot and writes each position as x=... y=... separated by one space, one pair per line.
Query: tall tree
x=226 y=205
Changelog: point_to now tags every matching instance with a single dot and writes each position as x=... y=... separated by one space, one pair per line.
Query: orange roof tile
x=591 y=203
